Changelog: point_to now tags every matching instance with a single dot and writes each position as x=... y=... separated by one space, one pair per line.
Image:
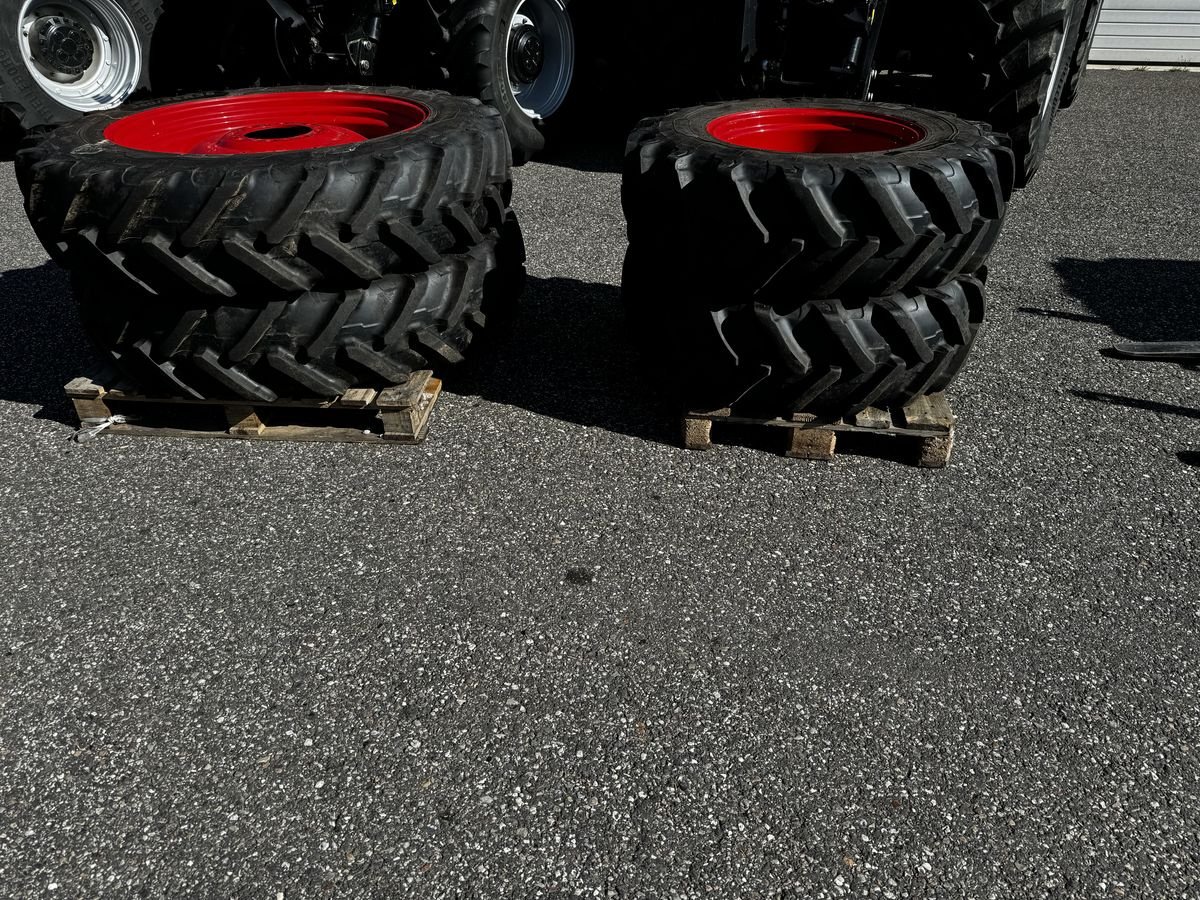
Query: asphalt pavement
x=549 y=653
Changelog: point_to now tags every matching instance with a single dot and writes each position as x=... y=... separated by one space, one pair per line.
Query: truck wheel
x=518 y=56
x=1083 y=50
x=62 y=58
x=763 y=219
x=298 y=241
x=1004 y=62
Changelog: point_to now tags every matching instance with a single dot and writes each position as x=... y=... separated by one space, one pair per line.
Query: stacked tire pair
x=285 y=244
x=790 y=256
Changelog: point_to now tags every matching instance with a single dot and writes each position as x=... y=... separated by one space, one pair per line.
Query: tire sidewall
x=523 y=131
x=17 y=85
x=1068 y=50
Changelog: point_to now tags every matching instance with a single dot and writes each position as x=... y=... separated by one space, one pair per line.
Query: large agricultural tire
x=831 y=357
x=748 y=219
x=1083 y=50
x=1004 y=62
x=316 y=343
x=210 y=256
x=60 y=59
x=518 y=56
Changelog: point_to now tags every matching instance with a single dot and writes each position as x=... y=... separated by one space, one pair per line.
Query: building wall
x=1159 y=32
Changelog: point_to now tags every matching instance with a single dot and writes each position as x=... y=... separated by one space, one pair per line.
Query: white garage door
x=1159 y=32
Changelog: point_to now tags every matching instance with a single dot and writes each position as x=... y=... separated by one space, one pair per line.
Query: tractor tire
x=1083 y=50
x=1004 y=62
x=81 y=56
x=518 y=56
x=830 y=357
x=747 y=216
x=829 y=224
x=318 y=343
x=256 y=263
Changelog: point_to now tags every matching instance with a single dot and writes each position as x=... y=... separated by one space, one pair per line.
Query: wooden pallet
x=926 y=422
x=398 y=414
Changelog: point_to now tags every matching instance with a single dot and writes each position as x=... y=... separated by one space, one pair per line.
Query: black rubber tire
x=727 y=244
x=766 y=223
x=31 y=107
x=317 y=343
x=251 y=224
x=1083 y=50
x=273 y=232
x=831 y=357
x=995 y=61
x=476 y=61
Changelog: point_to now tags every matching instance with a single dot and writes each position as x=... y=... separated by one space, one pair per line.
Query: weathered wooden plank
x=91 y=409
x=931 y=413
x=294 y=433
x=358 y=398
x=406 y=395
x=874 y=419
x=83 y=389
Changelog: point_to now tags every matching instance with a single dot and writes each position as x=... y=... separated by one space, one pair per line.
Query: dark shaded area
x=567 y=353
x=42 y=344
x=596 y=145
x=1167 y=409
x=10 y=136
x=1140 y=299
x=1189 y=457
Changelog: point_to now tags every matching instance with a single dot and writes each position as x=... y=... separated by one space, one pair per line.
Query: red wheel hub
x=265 y=123
x=814 y=130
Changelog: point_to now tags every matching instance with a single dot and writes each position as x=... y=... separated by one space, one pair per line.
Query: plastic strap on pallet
x=90 y=429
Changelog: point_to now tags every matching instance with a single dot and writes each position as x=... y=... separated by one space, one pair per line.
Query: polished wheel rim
x=541 y=56
x=814 y=130
x=269 y=122
x=83 y=53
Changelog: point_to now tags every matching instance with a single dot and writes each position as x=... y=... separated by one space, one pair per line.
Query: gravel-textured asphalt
x=550 y=653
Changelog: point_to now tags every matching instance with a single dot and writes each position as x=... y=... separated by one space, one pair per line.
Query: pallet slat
x=399 y=414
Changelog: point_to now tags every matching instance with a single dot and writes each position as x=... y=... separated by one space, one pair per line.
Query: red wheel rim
x=814 y=130
x=265 y=123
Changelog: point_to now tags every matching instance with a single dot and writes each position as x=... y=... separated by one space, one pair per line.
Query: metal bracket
x=1183 y=352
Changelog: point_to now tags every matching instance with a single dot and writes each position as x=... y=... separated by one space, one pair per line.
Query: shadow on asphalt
x=10 y=137
x=1166 y=409
x=42 y=344
x=586 y=147
x=567 y=354
x=1140 y=299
